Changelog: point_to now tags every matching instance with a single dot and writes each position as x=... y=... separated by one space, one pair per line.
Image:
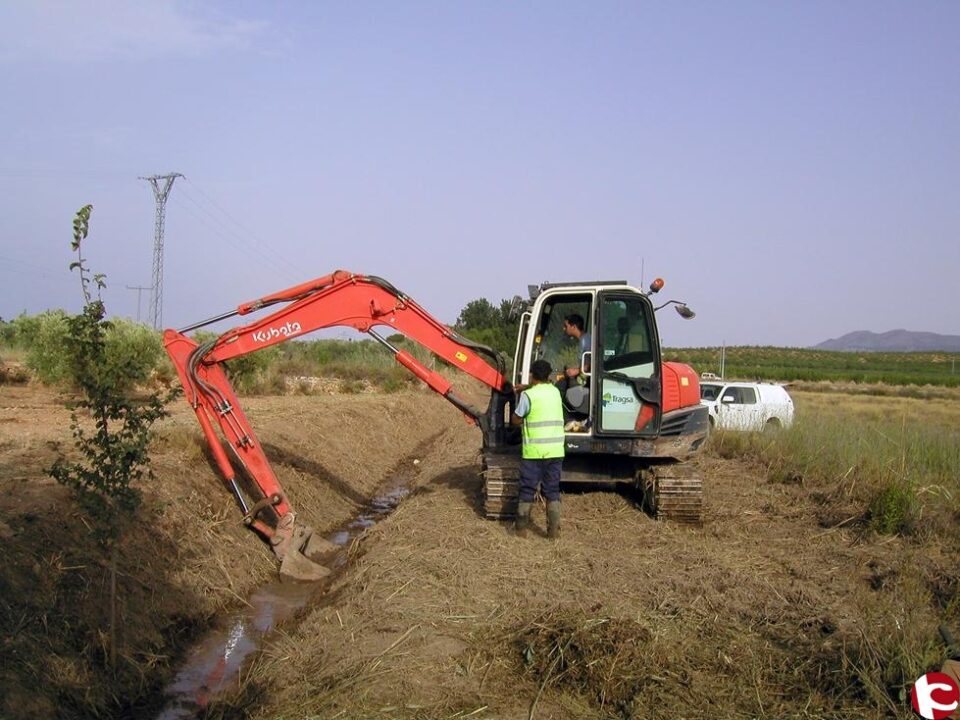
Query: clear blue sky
x=791 y=169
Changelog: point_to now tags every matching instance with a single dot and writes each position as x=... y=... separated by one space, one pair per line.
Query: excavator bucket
x=300 y=551
x=297 y=566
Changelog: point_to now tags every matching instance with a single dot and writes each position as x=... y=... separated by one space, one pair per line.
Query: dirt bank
x=188 y=557
x=772 y=609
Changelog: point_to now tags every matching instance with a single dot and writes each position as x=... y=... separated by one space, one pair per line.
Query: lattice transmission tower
x=161 y=190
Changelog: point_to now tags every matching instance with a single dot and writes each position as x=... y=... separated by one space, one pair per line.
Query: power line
x=231 y=237
x=216 y=231
x=243 y=229
x=41 y=270
x=247 y=238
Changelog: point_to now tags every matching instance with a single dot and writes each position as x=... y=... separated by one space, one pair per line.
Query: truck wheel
x=772 y=426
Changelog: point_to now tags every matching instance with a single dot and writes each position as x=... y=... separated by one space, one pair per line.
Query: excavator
x=633 y=418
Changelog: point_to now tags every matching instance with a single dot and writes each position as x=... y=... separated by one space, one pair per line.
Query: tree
x=111 y=428
x=481 y=321
x=478 y=315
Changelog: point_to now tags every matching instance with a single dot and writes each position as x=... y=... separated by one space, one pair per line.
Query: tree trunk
x=114 y=552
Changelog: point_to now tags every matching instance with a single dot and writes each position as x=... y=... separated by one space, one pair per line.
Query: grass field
x=791 y=364
x=891 y=464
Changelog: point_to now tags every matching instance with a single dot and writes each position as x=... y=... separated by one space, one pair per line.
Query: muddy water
x=215 y=662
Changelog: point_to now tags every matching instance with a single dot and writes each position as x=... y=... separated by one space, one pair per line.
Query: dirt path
x=771 y=609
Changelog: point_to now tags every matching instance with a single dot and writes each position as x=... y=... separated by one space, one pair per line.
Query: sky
x=791 y=169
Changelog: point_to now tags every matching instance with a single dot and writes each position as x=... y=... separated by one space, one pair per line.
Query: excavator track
x=501 y=484
x=674 y=492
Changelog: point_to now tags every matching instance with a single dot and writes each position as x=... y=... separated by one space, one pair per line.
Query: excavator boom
x=336 y=300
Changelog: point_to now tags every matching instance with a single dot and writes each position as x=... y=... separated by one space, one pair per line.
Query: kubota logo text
x=285 y=330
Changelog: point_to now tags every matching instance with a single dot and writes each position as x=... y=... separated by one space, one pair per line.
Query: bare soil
x=776 y=607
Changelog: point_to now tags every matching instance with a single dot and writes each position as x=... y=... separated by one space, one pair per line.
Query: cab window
x=741 y=396
x=551 y=343
x=625 y=339
x=709 y=392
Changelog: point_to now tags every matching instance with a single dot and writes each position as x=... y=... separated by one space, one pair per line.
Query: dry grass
x=939 y=410
x=778 y=607
x=762 y=613
x=919 y=392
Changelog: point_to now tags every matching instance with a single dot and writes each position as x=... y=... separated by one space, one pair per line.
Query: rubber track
x=677 y=493
x=501 y=485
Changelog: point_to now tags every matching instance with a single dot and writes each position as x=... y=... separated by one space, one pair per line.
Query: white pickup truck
x=746 y=406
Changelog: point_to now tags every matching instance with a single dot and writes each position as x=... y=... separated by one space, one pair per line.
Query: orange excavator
x=633 y=418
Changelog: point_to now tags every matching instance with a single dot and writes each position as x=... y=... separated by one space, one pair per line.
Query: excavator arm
x=339 y=299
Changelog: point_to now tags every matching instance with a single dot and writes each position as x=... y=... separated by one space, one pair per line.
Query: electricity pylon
x=160 y=193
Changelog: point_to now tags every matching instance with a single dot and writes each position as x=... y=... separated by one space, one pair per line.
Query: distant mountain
x=893 y=341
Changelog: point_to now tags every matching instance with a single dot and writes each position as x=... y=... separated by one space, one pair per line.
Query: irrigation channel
x=215 y=662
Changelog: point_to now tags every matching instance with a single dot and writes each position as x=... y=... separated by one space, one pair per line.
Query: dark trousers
x=537 y=473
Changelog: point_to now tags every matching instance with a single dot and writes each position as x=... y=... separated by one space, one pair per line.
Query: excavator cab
x=631 y=417
x=608 y=373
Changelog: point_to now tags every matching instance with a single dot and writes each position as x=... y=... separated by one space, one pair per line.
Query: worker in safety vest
x=540 y=411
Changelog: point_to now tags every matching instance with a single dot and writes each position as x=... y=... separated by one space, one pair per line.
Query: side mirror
x=682 y=309
x=727 y=399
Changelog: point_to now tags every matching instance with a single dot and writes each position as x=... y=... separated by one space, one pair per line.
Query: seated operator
x=574 y=327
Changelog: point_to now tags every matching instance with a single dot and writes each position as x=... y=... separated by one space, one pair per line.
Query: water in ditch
x=215 y=662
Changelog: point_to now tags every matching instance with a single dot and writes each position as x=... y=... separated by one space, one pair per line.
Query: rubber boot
x=522 y=522
x=553 y=519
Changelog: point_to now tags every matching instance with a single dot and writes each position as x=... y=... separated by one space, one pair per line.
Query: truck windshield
x=708 y=391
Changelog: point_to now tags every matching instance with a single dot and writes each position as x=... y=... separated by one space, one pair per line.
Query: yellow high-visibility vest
x=543 y=435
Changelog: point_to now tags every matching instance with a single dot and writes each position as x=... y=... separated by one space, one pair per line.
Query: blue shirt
x=523 y=406
x=584 y=343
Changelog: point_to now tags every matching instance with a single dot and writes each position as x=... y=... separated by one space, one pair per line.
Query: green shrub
x=131 y=350
x=248 y=372
x=8 y=334
x=43 y=337
x=893 y=509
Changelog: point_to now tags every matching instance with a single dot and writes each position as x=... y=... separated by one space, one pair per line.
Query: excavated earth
x=767 y=610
